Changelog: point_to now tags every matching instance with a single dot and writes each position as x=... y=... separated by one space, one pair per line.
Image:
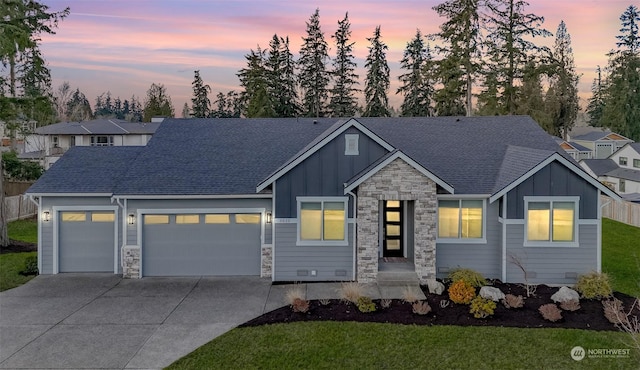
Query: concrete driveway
x=102 y=321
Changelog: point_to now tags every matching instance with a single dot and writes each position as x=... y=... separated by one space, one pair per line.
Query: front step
x=398 y=278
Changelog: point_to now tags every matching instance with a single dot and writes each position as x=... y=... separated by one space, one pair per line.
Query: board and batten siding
x=551 y=265
x=554 y=180
x=325 y=172
x=484 y=258
x=295 y=263
x=46 y=231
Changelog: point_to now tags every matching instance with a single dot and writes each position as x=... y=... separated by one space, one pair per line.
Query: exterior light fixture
x=269 y=217
x=131 y=219
x=46 y=216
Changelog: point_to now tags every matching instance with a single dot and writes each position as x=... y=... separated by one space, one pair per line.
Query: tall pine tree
x=200 y=103
x=377 y=82
x=313 y=76
x=280 y=68
x=343 y=102
x=256 y=100
x=416 y=83
x=595 y=105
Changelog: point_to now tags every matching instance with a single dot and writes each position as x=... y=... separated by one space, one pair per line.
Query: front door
x=392 y=229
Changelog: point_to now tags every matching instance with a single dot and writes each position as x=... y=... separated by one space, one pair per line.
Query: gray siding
x=329 y=261
x=325 y=172
x=46 y=240
x=484 y=258
x=554 y=180
x=550 y=264
x=134 y=205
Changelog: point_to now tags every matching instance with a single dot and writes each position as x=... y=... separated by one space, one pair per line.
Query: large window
x=101 y=140
x=460 y=219
x=322 y=221
x=636 y=163
x=550 y=221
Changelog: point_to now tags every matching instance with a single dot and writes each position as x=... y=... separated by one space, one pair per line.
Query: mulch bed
x=590 y=316
x=18 y=247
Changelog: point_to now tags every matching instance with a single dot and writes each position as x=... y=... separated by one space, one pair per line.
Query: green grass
x=621 y=256
x=351 y=345
x=23 y=230
x=10 y=266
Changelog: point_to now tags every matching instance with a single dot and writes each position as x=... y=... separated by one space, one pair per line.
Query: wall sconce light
x=269 y=217
x=131 y=219
x=46 y=216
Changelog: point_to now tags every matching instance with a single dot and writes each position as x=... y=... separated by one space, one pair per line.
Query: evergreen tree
x=417 y=86
x=186 y=112
x=488 y=103
x=200 y=103
x=596 y=102
x=343 y=102
x=78 y=108
x=377 y=82
x=157 y=103
x=280 y=67
x=254 y=79
x=461 y=49
x=629 y=39
x=509 y=47
x=531 y=97
x=562 y=96
x=313 y=76
x=450 y=97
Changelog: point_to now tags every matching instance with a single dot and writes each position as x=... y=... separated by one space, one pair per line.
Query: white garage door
x=201 y=244
x=86 y=241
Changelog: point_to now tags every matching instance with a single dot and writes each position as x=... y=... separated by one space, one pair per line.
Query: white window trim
x=576 y=217
x=336 y=243
x=348 y=139
x=460 y=240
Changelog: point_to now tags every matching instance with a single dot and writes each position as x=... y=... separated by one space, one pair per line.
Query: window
x=351 y=144
x=55 y=141
x=622 y=161
x=636 y=163
x=247 y=218
x=156 y=219
x=216 y=219
x=622 y=185
x=101 y=140
x=103 y=217
x=460 y=218
x=550 y=221
x=187 y=219
x=73 y=216
x=322 y=221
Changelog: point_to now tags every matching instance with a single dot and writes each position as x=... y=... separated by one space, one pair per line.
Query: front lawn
x=621 y=256
x=10 y=266
x=23 y=230
x=353 y=345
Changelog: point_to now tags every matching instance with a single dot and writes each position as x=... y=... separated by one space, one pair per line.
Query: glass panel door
x=392 y=229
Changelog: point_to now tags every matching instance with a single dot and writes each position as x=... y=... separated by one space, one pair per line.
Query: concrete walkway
x=90 y=321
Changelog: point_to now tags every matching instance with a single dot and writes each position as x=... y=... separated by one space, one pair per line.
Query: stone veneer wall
x=397 y=181
x=131 y=262
x=266 y=261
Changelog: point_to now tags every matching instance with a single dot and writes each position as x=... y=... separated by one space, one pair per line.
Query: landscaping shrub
x=614 y=311
x=512 y=301
x=482 y=307
x=594 y=285
x=294 y=293
x=571 y=305
x=365 y=304
x=351 y=291
x=550 y=312
x=300 y=305
x=461 y=292
x=409 y=295
x=469 y=276
x=325 y=301
x=444 y=303
x=385 y=303
x=30 y=266
x=421 y=308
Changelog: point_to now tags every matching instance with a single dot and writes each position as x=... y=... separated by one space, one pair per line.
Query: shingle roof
x=579 y=147
x=625 y=173
x=86 y=169
x=98 y=127
x=475 y=155
x=600 y=166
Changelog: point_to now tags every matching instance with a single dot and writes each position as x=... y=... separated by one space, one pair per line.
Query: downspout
x=123 y=206
x=504 y=239
x=599 y=233
x=38 y=209
x=355 y=228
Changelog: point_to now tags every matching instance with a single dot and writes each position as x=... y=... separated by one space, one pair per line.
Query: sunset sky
x=123 y=46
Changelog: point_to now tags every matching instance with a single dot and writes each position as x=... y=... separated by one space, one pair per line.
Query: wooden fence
x=622 y=211
x=17 y=208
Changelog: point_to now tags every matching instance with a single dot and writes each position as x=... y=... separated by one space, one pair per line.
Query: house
x=601 y=142
x=575 y=150
x=621 y=171
x=324 y=200
x=48 y=143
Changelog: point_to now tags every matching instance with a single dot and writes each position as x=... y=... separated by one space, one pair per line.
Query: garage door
x=86 y=241
x=201 y=244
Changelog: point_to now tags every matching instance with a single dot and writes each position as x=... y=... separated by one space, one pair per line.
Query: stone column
x=131 y=262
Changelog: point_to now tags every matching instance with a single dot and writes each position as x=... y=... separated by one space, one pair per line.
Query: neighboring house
x=324 y=200
x=575 y=150
x=601 y=142
x=621 y=171
x=48 y=143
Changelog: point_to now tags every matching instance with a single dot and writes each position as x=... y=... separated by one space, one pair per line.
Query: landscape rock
x=435 y=286
x=491 y=293
x=565 y=294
